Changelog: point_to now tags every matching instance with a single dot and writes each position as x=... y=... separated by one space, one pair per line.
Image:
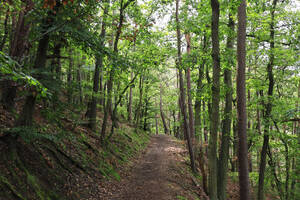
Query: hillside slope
x=60 y=158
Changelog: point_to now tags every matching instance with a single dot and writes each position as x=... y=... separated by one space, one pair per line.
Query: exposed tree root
x=91 y=147
x=58 y=160
x=10 y=187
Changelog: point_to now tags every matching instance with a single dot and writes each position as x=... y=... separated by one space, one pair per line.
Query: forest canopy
x=222 y=75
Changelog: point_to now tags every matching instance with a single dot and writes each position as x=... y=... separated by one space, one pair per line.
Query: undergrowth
x=49 y=160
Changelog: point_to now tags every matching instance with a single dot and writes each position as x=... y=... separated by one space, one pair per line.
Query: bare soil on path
x=160 y=173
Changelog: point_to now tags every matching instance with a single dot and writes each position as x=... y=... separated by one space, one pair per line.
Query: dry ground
x=161 y=173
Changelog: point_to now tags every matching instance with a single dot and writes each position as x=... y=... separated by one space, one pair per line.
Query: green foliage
x=181 y=197
x=13 y=71
x=29 y=134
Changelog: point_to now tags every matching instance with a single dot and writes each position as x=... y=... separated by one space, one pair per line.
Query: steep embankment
x=61 y=158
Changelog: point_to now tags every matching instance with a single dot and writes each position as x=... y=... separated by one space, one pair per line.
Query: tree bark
x=18 y=45
x=26 y=116
x=139 y=107
x=241 y=104
x=198 y=132
x=188 y=85
x=110 y=81
x=182 y=92
x=162 y=114
x=99 y=65
x=249 y=127
x=224 y=152
x=268 y=107
x=198 y=96
x=214 y=125
x=2 y=43
x=117 y=102
x=79 y=78
x=130 y=100
x=69 y=77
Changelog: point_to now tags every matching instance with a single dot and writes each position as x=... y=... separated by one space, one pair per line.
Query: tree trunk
x=56 y=65
x=156 y=125
x=117 y=102
x=139 y=107
x=69 y=77
x=2 y=43
x=182 y=92
x=79 y=84
x=156 y=119
x=249 y=127
x=145 y=116
x=26 y=116
x=235 y=148
x=268 y=108
x=224 y=152
x=241 y=104
x=296 y=160
x=18 y=44
x=214 y=125
x=108 y=104
x=130 y=100
x=188 y=85
x=162 y=114
x=198 y=96
x=99 y=65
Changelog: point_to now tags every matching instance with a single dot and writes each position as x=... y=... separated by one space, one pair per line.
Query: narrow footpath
x=161 y=173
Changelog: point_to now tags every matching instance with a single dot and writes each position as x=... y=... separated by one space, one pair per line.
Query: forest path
x=161 y=173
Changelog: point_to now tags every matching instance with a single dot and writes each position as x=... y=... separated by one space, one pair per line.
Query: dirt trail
x=160 y=174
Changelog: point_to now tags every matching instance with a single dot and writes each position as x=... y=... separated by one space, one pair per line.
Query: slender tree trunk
x=18 y=43
x=99 y=65
x=156 y=125
x=241 y=104
x=162 y=114
x=296 y=160
x=117 y=102
x=182 y=91
x=214 y=118
x=188 y=84
x=174 y=122
x=224 y=152
x=2 y=43
x=156 y=119
x=130 y=100
x=198 y=95
x=145 y=116
x=92 y=109
x=178 y=128
x=57 y=69
x=101 y=88
x=26 y=115
x=69 y=76
x=205 y=129
x=112 y=71
x=56 y=54
x=139 y=107
x=198 y=132
x=268 y=108
x=198 y=106
x=235 y=147
x=249 y=127
x=79 y=78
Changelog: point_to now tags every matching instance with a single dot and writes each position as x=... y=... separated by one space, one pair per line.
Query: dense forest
x=86 y=84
